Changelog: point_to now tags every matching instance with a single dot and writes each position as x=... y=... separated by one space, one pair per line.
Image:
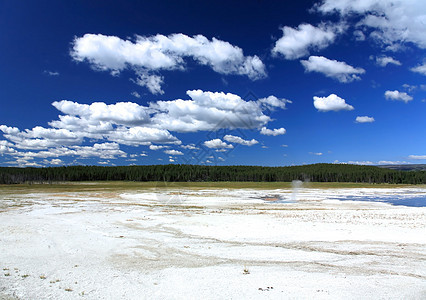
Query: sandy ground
x=212 y=244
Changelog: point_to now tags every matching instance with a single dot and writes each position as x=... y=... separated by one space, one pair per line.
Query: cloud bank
x=126 y=123
x=149 y=55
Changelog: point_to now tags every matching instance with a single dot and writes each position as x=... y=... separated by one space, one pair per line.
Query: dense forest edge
x=197 y=173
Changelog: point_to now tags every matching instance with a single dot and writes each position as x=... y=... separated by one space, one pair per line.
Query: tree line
x=194 y=173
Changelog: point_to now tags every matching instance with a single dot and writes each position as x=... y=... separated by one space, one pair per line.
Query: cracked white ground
x=212 y=244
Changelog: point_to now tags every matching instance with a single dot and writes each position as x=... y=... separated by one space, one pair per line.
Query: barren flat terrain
x=174 y=241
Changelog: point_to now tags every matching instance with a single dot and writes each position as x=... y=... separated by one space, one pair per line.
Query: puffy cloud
x=121 y=113
x=208 y=111
x=131 y=124
x=338 y=70
x=137 y=135
x=393 y=21
x=173 y=152
x=419 y=157
x=273 y=102
x=190 y=147
x=364 y=119
x=316 y=153
x=9 y=130
x=156 y=53
x=383 y=61
x=55 y=161
x=296 y=43
x=40 y=137
x=217 y=144
x=331 y=102
x=23 y=162
x=398 y=96
x=239 y=140
x=6 y=143
x=151 y=82
x=420 y=69
x=157 y=147
x=101 y=150
x=6 y=148
x=273 y=132
x=204 y=111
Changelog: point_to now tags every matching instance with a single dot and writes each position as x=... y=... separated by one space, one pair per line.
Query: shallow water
x=419 y=201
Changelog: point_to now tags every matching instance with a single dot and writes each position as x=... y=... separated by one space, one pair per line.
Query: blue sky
x=212 y=82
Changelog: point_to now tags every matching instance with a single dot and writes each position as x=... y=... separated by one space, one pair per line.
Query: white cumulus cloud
x=420 y=69
x=331 y=103
x=190 y=147
x=383 y=61
x=157 y=147
x=208 y=111
x=173 y=152
x=273 y=132
x=101 y=150
x=125 y=113
x=40 y=137
x=364 y=119
x=398 y=96
x=419 y=157
x=137 y=135
x=338 y=70
x=393 y=22
x=152 y=54
x=103 y=127
x=239 y=140
x=272 y=102
x=217 y=144
x=151 y=82
x=298 y=42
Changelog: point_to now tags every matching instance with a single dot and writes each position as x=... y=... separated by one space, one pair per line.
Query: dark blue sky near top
x=36 y=38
